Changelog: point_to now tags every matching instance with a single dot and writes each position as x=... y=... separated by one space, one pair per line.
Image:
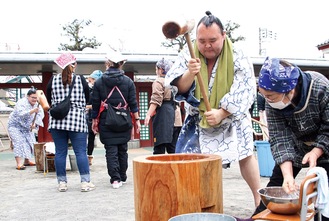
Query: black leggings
x=91 y=140
x=117 y=161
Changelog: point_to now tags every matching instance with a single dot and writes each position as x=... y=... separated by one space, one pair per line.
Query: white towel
x=50 y=147
x=322 y=202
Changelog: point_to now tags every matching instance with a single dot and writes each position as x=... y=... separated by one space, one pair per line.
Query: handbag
x=118 y=119
x=62 y=108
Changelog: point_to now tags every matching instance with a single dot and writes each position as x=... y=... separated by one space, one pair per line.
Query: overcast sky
x=135 y=25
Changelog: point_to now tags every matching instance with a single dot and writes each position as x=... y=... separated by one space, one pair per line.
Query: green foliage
x=230 y=27
x=78 y=42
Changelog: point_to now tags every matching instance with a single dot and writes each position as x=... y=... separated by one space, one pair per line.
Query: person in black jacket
x=115 y=143
x=91 y=136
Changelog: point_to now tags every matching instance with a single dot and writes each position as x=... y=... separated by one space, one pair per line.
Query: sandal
x=29 y=164
x=22 y=167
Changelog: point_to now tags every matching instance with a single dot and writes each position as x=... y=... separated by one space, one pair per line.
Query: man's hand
x=194 y=66
x=215 y=116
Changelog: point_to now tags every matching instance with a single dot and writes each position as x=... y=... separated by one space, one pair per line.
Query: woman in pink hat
x=73 y=126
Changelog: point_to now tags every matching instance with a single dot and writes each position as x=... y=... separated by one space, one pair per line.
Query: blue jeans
x=79 y=144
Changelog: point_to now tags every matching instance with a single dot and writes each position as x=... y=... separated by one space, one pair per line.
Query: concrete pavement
x=31 y=195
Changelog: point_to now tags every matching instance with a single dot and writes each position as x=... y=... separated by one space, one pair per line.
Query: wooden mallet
x=42 y=100
x=173 y=29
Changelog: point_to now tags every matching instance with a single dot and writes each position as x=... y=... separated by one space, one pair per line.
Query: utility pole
x=265 y=35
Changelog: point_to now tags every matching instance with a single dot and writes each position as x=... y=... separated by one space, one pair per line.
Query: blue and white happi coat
x=233 y=138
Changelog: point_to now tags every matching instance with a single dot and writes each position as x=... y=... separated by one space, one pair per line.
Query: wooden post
x=172 y=184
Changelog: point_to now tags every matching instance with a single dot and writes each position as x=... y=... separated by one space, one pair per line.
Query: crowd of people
x=293 y=104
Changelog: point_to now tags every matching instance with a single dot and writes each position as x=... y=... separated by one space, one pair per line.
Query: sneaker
x=62 y=186
x=87 y=186
x=116 y=184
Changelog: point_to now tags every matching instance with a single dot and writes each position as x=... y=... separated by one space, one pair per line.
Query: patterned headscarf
x=164 y=64
x=278 y=75
x=65 y=59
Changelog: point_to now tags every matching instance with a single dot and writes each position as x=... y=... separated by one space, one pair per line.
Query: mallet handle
x=35 y=116
x=202 y=88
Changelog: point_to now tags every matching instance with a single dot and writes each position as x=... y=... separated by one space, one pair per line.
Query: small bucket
x=265 y=159
x=203 y=217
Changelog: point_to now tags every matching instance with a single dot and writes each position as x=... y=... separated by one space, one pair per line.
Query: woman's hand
x=139 y=126
x=94 y=126
x=146 y=120
x=312 y=156
x=288 y=185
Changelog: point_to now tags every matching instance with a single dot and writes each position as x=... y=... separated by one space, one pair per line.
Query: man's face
x=210 y=41
x=32 y=98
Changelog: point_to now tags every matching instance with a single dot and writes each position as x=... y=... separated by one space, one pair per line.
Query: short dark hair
x=33 y=90
x=209 y=19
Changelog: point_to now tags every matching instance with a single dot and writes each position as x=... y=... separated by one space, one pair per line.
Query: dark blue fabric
x=188 y=140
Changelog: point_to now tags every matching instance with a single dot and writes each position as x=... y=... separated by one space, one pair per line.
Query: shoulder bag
x=118 y=118
x=61 y=110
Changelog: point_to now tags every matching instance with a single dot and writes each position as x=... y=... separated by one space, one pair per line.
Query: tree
x=170 y=43
x=74 y=31
x=230 y=27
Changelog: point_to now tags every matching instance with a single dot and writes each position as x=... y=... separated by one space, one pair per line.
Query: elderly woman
x=27 y=115
x=162 y=111
x=297 y=109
